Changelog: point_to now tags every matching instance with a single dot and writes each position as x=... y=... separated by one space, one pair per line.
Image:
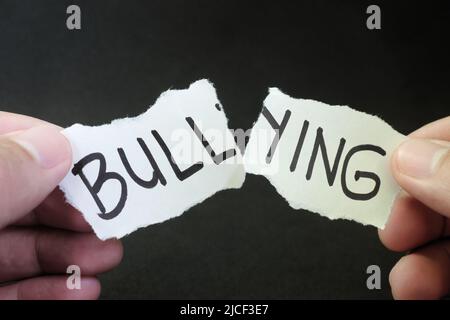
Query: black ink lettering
x=361 y=174
x=279 y=128
x=157 y=174
x=320 y=143
x=217 y=158
x=298 y=149
x=102 y=177
x=181 y=175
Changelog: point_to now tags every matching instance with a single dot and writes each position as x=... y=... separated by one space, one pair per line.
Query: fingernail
x=419 y=158
x=46 y=145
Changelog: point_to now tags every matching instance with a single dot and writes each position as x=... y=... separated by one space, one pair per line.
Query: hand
x=420 y=220
x=41 y=235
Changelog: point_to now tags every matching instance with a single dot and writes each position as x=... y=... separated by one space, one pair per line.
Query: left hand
x=40 y=234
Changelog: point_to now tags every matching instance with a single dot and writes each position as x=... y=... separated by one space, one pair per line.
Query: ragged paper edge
x=323 y=215
x=233 y=182
x=231 y=186
x=301 y=205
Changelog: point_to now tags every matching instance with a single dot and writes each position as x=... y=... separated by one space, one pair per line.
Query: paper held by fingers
x=332 y=160
x=139 y=171
x=144 y=170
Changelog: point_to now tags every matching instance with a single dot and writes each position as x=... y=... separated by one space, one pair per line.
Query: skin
x=40 y=234
x=419 y=222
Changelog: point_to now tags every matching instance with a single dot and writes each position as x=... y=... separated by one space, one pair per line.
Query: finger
x=55 y=212
x=32 y=163
x=27 y=252
x=51 y=288
x=422 y=168
x=10 y=122
x=412 y=224
x=424 y=274
x=436 y=130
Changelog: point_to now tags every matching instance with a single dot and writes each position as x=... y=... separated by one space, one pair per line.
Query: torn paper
x=332 y=160
x=139 y=171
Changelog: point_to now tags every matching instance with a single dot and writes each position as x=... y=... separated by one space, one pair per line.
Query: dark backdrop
x=244 y=243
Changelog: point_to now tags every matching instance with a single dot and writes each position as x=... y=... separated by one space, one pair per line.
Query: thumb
x=32 y=163
x=422 y=168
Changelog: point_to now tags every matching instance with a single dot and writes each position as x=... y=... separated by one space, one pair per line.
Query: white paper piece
x=123 y=177
x=332 y=160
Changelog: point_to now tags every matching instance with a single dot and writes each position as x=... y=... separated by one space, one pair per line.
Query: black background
x=244 y=243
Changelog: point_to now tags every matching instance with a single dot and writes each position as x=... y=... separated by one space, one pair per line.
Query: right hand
x=420 y=220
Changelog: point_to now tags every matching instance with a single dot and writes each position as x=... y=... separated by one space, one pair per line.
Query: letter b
x=102 y=177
